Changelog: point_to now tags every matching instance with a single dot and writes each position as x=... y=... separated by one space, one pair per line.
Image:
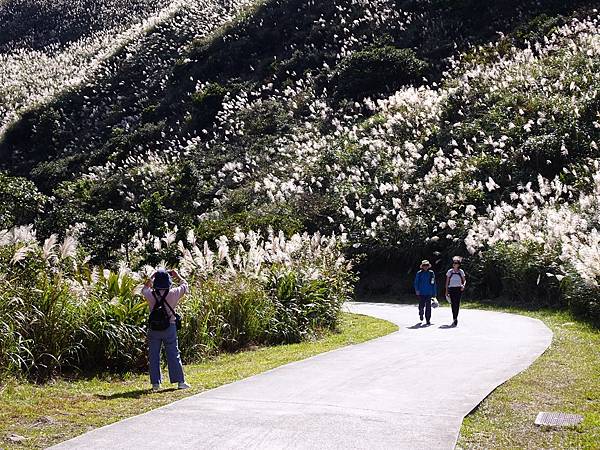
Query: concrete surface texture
x=408 y=390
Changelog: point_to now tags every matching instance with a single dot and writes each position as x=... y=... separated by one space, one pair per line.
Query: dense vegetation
x=413 y=128
x=57 y=313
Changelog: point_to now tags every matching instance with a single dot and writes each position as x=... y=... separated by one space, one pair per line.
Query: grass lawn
x=564 y=379
x=57 y=411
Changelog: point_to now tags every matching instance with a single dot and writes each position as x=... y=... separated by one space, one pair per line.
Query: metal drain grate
x=556 y=419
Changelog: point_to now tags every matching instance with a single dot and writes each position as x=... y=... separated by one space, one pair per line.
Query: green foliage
x=240 y=213
x=268 y=118
x=224 y=316
x=211 y=95
x=537 y=28
x=526 y=275
x=517 y=273
x=58 y=314
x=20 y=201
x=207 y=102
x=303 y=305
x=378 y=69
x=115 y=317
x=107 y=232
x=38 y=310
x=154 y=211
x=583 y=299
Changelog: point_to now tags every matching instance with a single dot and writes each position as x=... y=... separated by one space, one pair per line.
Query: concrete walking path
x=408 y=390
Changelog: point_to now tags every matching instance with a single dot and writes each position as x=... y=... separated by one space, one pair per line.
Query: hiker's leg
x=455 y=295
x=154 y=344
x=173 y=357
x=427 y=308
x=421 y=305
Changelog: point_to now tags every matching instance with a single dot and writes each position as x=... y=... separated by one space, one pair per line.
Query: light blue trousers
x=155 y=341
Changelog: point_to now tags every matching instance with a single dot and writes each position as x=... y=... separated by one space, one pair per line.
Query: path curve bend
x=407 y=390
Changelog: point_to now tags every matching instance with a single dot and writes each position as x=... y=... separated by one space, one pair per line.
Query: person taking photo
x=163 y=323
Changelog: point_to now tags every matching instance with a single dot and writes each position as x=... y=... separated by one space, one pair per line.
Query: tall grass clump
x=255 y=289
x=58 y=314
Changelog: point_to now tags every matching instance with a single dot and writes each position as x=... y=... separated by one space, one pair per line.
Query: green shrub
x=210 y=96
x=40 y=311
x=583 y=300
x=227 y=315
x=277 y=217
x=517 y=273
x=20 y=201
x=303 y=306
x=377 y=70
x=115 y=317
x=107 y=232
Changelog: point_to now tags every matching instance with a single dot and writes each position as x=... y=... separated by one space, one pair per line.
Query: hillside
x=416 y=128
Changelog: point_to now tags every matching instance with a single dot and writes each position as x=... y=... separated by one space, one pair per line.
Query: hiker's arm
x=463 y=278
x=147 y=289
x=416 y=284
x=447 y=283
x=183 y=287
x=178 y=277
x=149 y=281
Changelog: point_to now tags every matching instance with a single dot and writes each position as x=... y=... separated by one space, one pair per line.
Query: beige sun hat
x=425 y=262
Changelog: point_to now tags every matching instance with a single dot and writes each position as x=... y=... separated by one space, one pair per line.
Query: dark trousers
x=425 y=305
x=455 y=295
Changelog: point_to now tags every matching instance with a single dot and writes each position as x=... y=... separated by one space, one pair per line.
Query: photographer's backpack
x=159 y=318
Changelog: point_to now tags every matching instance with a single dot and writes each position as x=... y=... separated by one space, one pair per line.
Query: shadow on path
x=420 y=325
x=133 y=394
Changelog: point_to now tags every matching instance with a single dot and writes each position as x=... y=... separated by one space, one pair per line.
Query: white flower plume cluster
x=371 y=157
x=23 y=242
x=568 y=231
x=148 y=164
x=250 y=254
x=372 y=165
x=247 y=254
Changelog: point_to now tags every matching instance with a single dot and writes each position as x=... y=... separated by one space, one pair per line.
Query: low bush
x=518 y=273
x=20 y=201
x=528 y=275
x=584 y=300
x=378 y=69
x=224 y=316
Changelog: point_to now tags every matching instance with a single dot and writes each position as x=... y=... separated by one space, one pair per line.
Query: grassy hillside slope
x=417 y=128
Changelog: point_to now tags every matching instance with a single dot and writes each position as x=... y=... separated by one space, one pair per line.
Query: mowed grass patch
x=566 y=378
x=59 y=410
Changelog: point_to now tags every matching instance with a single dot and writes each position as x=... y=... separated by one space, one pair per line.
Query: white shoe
x=183 y=385
x=155 y=387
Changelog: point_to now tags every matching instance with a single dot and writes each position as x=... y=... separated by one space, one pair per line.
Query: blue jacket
x=425 y=283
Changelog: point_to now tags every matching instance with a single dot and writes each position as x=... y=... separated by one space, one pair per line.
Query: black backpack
x=159 y=318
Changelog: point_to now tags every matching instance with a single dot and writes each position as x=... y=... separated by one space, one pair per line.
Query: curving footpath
x=408 y=390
